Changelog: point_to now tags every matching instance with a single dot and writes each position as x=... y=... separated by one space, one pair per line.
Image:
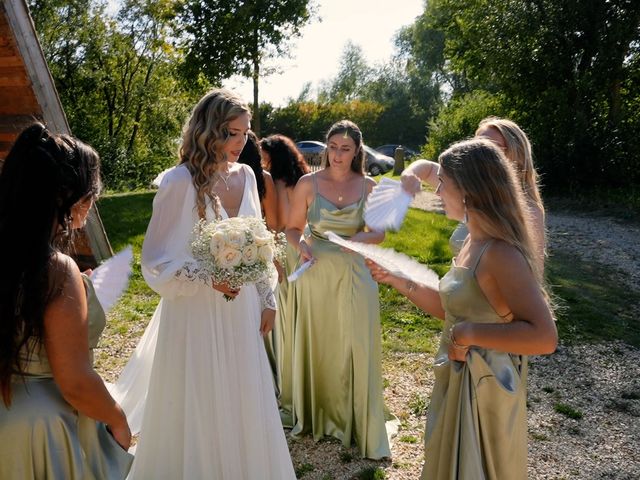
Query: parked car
x=312 y=151
x=390 y=150
x=377 y=163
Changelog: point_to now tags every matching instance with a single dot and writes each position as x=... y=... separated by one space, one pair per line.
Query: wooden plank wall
x=18 y=104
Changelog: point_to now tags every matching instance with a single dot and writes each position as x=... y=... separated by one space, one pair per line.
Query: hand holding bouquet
x=236 y=250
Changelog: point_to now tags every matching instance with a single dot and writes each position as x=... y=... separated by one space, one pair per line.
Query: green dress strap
x=479 y=257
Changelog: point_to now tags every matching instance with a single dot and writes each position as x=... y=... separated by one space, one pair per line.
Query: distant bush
x=459 y=119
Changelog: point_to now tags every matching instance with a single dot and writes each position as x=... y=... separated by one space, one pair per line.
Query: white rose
x=266 y=253
x=229 y=257
x=250 y=254
x=262 y=237
x=216 y=243
x=236 y=239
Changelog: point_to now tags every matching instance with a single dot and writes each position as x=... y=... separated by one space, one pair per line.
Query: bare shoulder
x=64 y=263
x=65 y=277
x=502 y=258
x=268 y=179
x=305 y=183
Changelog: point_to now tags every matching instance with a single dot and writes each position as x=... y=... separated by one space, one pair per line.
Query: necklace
x=225 y=179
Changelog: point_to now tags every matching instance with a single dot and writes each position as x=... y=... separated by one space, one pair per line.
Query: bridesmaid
x=337 y=377
x=496 y=312
x=58 y=421
x=514 y=143
x=286 y=165
x=266 y=189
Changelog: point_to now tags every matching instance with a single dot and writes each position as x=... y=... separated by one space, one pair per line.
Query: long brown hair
x=203 y=135
x=518 y=150
x=43 y=177
x=489 y=183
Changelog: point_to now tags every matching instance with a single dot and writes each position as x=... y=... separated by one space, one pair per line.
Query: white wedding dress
x=198 y=386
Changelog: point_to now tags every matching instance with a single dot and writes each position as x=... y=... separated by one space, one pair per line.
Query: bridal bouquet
x=236 y=250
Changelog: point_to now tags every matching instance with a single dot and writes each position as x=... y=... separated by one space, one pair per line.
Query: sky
x=315 y=55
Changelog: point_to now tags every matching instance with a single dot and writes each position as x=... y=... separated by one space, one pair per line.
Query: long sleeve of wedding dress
x=167 y=263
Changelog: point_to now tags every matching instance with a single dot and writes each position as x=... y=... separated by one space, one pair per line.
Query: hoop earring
x=465 y=218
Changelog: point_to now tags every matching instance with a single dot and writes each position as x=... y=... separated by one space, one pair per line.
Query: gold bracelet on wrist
x=452 y=339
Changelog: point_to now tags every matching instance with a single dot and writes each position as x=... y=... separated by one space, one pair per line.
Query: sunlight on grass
x=594 y=307
x=405 y=327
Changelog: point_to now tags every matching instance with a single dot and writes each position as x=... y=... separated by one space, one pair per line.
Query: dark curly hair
x=250 y=155
x=286 y=161
x=43 y=176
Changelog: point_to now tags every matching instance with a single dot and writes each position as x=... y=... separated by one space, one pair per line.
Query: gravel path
x=597 y=384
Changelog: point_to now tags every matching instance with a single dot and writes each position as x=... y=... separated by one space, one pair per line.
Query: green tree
x=353 y=75
x=118 y=81
x=562 y=66
x=238 y=37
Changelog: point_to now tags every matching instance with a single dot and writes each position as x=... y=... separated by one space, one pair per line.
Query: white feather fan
x=111 y=278
x=387 y=205
x=395 y=262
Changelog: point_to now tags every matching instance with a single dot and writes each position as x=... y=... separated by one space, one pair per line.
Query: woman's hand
x=379 y=274
x=120 y=431
x=457 y=350
x=280 y=270
x=267 y=320
x=305 y=251
x=411 y=183
x=458 y=353
x=226 y=289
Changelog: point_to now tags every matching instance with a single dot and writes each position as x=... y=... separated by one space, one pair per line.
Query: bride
x=198 y=386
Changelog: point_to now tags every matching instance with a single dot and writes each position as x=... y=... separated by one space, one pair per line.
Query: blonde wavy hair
x=518 y=150
x=203 y=136
x=489 y=183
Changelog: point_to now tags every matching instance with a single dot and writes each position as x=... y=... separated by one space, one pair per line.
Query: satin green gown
x=336 y=371
x=477 y=419
x=283 y=331
x=43 y=437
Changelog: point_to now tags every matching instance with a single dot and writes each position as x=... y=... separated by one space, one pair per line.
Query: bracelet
x=452 y=339
x=411 y=287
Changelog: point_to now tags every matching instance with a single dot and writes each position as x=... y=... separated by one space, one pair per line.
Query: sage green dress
x=283 y=331
x=336 y=373
x=43 y=437
x=477 y=418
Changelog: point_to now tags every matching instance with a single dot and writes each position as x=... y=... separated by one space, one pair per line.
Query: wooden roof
x=27 y=93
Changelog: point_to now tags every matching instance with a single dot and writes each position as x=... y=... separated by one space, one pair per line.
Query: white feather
x=111 y=278
x=395 y=262
x=387 y=205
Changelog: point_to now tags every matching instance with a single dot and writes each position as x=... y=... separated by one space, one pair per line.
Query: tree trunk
x=256 y=105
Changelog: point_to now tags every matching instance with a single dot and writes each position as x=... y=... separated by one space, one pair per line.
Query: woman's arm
x=270 y=203
x=302 y=195
x=532 y=330
x=67 y=344
x=425 y=298
x=419 y=170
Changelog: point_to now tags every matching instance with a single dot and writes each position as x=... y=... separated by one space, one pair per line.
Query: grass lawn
x=592 y=306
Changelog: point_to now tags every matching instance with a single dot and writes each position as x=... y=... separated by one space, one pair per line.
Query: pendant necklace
x=224 y=179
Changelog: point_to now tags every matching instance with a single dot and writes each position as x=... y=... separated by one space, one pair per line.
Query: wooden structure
x=27 y=93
